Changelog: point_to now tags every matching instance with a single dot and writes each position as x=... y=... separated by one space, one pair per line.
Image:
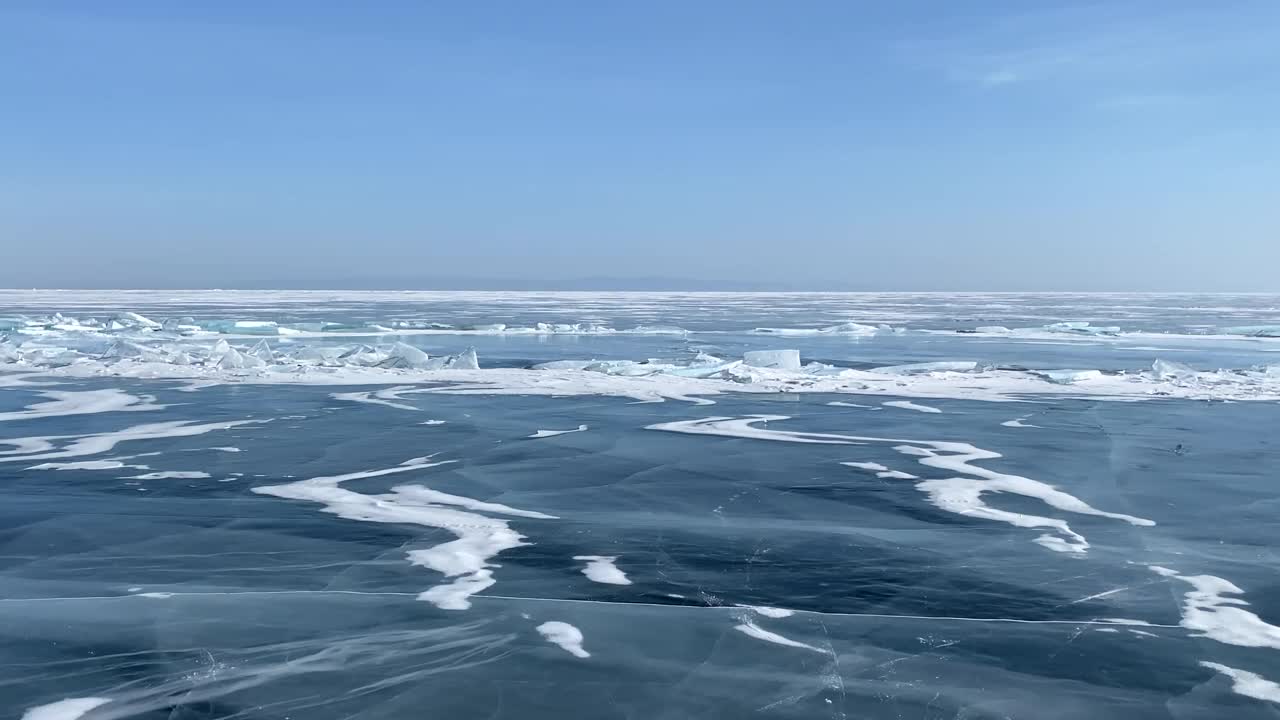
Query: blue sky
x=812 y=145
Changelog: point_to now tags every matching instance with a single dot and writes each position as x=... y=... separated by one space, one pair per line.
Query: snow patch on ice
x=960 y=495
x=564 y=635
x=601 y=569
x=1208 y=609
x=1246 y=683
x=68 y=709
x=873 y=466
x=62 y=403
x=45 y=447
x=769 y=612
x=466 y=559
x=87 y=465
x=752 y=630
x=172 y=475
x=908 y=405
x=553 y=433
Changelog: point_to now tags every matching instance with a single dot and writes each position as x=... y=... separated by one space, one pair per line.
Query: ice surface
x=914 y=596
x=1263 y=331
x=775 y=359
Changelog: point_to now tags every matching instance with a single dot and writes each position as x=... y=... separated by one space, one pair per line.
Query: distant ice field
x=611 y=505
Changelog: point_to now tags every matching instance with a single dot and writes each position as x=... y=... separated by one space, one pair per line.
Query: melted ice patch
x=601 y=569
x=553 y=433
x=1207 y=609
x=1246 y=683
x=68 y=709
x=466 y=559
x=564 y=635
x=960 y=495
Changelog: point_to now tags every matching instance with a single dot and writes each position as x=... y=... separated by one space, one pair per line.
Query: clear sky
x=717 y=143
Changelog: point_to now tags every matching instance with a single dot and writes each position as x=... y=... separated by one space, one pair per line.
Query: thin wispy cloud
x=996 y=78
x=1102 y=50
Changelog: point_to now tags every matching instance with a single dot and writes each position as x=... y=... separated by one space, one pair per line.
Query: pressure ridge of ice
x=132 y=345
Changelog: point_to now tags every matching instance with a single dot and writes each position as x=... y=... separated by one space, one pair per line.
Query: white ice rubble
x=217 y=359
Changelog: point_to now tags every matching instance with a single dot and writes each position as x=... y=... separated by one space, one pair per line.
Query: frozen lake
x=261 y=505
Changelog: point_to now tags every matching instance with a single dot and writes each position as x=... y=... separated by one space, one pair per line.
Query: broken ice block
x=775 y=359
